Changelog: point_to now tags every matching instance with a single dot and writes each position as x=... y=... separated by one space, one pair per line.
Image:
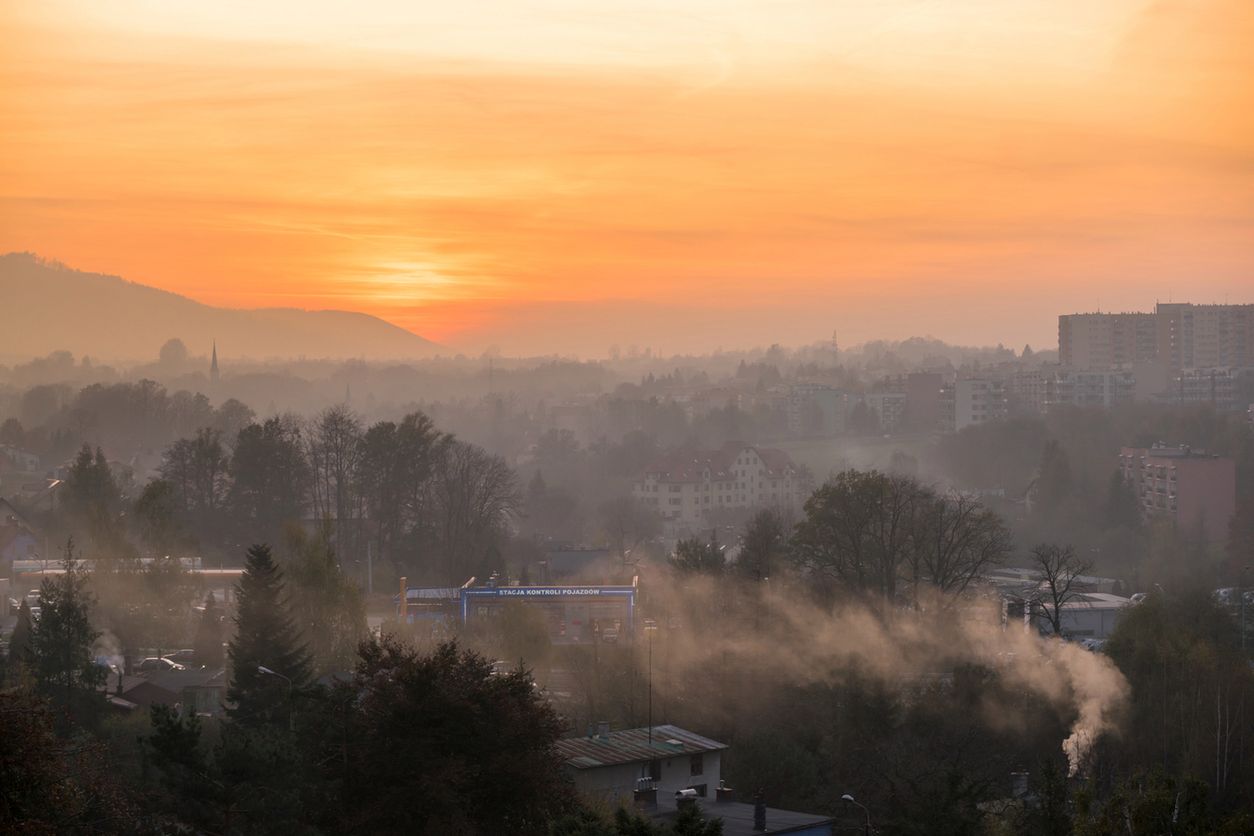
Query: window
x=655 y=770
x=697 y=766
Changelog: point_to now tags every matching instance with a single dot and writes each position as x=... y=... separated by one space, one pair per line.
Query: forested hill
x=46 y=307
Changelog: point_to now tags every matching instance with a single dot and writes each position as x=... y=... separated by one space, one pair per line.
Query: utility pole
x=650 y=627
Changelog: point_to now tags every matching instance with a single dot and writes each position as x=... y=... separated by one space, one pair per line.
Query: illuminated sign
x=622 y=592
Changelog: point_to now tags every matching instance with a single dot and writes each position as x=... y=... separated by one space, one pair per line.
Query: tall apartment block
x=1185 y=485
x=1105 y=341
x=1176 y=336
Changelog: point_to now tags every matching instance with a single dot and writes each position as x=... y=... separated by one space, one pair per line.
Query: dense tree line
x=421 y=501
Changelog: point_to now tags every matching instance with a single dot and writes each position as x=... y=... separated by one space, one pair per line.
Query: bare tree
x=473 y=495
x=1060 y=567
x=955 y=539
x=334 y=448
x=628 y=522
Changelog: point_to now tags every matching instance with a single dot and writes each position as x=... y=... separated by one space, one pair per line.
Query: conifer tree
x=265 y=636
x=61 y=643
x=19 y=648
x=207 y=647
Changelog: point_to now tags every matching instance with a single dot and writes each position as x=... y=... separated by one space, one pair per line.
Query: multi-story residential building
x=1028 y=390
x=924 y=410
x=888 y=407
x=1178 y=335
x=687 y=485
x=815 y=409
x=1217 y=387
x=1204 y=336
x=1185 y=485
x=974 y=400
x=1098 y=387
x=1103 y=341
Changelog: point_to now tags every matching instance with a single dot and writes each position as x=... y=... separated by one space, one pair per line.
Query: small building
x=200 y=691
x=573 y=614
x=659 y=770
x=608 y=764
x=1089 y=615
x=742 y=819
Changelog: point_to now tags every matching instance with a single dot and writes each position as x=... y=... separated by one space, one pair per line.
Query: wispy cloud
x=737 y=164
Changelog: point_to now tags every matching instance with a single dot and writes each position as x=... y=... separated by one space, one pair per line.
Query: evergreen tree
x=475 y=747
x=92 y=499
x=265 y=636
x=328 y=607
x=61 y=644
x=19 y=648
x=207 y=645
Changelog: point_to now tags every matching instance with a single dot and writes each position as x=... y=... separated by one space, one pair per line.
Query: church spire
x=213 y=364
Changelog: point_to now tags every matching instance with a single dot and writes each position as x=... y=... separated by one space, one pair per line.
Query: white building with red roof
x=685 y=486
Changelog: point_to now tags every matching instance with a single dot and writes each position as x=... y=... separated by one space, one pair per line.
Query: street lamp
x=1241 y=593
x=291 y=716
x=848 y=799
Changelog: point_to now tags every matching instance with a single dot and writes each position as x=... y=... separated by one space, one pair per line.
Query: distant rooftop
x=737 y=817
x=632 y=746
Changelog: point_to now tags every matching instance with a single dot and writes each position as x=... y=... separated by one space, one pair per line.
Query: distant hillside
x=46 y=307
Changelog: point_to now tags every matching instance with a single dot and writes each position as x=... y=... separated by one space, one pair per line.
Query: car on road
x=153 y=664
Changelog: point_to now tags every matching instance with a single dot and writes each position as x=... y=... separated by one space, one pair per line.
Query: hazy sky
x=563 y=176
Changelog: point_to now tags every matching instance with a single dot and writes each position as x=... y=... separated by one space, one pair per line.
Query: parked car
x=182 y=657
x=154 y=664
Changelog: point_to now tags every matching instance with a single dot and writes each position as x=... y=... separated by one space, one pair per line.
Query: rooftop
x=737 y=817
x=632 y=746
x=687 y=465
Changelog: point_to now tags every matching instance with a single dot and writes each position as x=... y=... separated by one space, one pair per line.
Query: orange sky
x=564 y=176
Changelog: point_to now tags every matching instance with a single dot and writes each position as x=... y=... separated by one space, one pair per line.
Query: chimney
x=724 y=793
x=404 y=610
x=119 y=682
x=603 y=730
x=759 y=813
x=645 y=795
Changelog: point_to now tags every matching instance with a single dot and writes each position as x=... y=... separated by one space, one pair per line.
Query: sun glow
x=490 y=173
